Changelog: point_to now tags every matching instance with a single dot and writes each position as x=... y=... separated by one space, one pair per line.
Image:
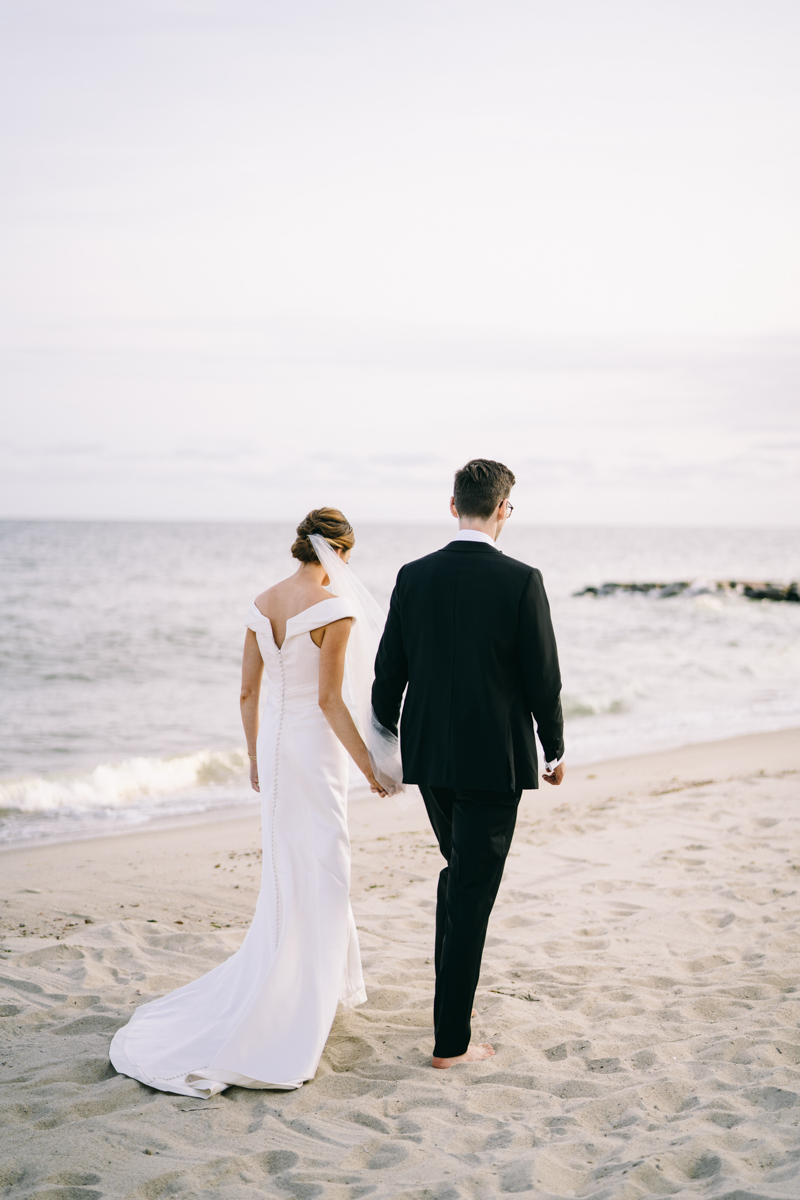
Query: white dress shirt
x=476 y=535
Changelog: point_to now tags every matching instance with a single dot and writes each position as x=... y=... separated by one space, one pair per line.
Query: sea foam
x=115 y=785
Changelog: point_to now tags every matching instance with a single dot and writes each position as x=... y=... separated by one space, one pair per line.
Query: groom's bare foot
x=474 y=1054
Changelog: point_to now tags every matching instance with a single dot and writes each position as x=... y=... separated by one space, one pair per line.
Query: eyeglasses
x=509 y=508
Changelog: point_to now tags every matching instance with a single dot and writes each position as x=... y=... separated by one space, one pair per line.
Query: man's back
x=469 y=631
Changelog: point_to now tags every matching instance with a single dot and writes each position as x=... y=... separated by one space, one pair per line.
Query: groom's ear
x=453 y=509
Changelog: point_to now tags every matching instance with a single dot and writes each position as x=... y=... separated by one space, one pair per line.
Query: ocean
x=120 y=648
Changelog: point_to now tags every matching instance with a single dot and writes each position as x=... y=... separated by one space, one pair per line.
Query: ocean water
x=120 y=649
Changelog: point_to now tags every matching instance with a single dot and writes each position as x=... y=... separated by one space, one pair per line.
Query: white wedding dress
x=261 y=1019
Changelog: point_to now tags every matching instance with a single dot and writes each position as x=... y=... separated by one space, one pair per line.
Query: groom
x=469 y=632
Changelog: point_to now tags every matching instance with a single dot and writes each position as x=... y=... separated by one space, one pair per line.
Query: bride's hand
x=254 y=775
x=374 y=786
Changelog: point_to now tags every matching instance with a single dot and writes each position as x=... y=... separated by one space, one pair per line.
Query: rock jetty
x=700 y=587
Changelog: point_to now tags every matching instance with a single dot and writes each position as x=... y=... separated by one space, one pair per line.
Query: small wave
x=592 y=706
x=115 y=785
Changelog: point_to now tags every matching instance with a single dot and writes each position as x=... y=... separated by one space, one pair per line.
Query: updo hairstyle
x=328 y=523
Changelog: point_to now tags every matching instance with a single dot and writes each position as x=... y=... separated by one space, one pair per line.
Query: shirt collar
x=473 y=535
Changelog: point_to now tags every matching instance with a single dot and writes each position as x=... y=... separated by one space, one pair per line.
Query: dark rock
x=770 y=591
x=779 y=592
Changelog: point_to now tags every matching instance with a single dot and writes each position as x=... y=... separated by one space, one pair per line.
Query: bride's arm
x=331 y=674
x=252 y=670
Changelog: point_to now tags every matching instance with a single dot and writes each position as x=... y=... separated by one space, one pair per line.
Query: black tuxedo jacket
x=469 y=632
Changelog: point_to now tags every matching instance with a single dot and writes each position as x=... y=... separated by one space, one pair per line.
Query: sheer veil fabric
x=370 y=619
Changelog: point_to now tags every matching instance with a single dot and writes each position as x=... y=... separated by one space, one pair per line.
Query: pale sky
x=262 y=256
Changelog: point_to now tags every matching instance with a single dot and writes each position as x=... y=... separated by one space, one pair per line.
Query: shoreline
x=740 y=747
x=640 y=985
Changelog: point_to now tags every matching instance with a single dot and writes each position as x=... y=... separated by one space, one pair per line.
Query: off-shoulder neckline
x=296 y=616
x=302 y=612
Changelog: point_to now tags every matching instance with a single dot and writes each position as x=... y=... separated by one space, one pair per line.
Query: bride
x=261 y=1019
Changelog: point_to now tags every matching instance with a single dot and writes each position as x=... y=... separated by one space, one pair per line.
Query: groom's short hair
x=480 y=486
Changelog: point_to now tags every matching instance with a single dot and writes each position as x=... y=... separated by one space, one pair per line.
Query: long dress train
x=261 y=1019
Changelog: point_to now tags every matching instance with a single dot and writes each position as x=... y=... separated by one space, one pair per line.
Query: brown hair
x=480 y=486
x=328 y=523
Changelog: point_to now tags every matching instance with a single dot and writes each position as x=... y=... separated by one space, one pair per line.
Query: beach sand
x=641 y=986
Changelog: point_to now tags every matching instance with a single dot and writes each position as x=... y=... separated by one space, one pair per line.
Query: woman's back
x=288 y=599
x=293 y=667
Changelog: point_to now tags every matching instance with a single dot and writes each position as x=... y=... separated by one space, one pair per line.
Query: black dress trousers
x=474 y=831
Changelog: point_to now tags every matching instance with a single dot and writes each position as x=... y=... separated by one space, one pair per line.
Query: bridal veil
x=383 y=746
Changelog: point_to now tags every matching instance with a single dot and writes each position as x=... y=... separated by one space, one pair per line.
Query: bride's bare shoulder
x=287 y=598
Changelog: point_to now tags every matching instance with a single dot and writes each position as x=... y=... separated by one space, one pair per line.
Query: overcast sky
x=261 y=256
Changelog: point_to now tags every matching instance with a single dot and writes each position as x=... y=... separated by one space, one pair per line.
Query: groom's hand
x=556 y=776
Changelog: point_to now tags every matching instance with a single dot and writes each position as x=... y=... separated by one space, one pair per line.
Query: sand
x=640 y=984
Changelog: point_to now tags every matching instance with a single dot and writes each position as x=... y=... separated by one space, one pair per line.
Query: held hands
x=382 y=786
x=374 y=786
x=555 y=776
